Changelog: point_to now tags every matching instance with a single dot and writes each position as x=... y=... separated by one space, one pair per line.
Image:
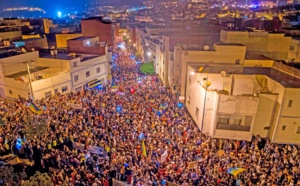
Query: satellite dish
x=223 y=73
x=206 y=48
x=23 y=50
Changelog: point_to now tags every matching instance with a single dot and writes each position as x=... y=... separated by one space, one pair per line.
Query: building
x=236 y=102
x=87 y=45
x=53 y=72
x=98 y=26
x=61 y=39
x=169 y=40
x=271 y=45
x=32 y=43
x=187 y=54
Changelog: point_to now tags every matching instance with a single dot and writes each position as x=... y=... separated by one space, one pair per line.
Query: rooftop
x=9 y=53
x=25 y=72
x=284 y=79
x=83 y=38
x=67 y=56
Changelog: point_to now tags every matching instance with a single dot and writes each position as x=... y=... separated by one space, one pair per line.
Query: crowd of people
x=147 y=137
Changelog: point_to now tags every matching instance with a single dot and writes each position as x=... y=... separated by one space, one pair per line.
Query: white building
x=49 y=74
x=236 y=102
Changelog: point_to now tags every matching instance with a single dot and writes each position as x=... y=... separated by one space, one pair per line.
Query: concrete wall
x=274 y=46
x=38 y=43
x=40 y=87
x=289 y=118
x=97 y=28
x=226 y=55
x=11 y=35
x=61 y=39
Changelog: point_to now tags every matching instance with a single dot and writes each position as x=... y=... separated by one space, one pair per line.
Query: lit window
x=87 y=74
x=64 y=89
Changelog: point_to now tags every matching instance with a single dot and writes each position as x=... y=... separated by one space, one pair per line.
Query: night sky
x=43 y=3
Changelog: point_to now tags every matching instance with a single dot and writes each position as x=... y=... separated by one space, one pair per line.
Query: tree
x=147 y=68
x=9 y=177
x=39 y=179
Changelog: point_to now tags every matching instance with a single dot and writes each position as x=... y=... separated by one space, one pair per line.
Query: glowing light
x=192 y=73
x=149 y=53
x=59 y=14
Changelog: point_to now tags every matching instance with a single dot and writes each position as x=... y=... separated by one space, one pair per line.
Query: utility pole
x=30 y=81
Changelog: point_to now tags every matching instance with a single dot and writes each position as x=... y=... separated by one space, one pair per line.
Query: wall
x=226 y=56
x=289 y=118
x=61 y=39
x=11 y=35
x=274 y=46
x=40 y=87
x=97 y=28
x=265 y=114
x=37 y=43
x=16 y=87
x=8 y=68
x=258 y=63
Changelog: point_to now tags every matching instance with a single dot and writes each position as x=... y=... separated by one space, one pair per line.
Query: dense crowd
x=145 y=114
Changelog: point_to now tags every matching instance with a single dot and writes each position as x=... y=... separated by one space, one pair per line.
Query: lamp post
x=205 y=95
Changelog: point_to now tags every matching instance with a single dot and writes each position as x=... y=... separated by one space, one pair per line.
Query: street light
x=149 y=54
x=192 y=73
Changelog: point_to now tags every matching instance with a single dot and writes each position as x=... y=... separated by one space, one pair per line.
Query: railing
x=234 y=127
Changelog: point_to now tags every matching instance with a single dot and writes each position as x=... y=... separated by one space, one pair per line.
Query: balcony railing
x=233 y=127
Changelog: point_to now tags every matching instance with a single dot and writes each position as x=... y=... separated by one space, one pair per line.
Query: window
x=298 y=130
x=48 y=94
x=292 y=47
x=78 y=89
x=290 y=103
x=283 y=127
x=10 y=91
x=87 y=74
x=237 y=61
x=75 y=64
x=223 y=120
x=197 y=112
x=76 y=78
x=98 y=70
x=64 y=89
x=56 y=90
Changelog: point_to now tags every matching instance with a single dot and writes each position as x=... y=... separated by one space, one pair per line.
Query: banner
x=164 y=156
x=75 y=106
x=120 y=93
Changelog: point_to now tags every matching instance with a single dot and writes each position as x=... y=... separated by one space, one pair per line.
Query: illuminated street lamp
x=192 y=73
x=149 y=54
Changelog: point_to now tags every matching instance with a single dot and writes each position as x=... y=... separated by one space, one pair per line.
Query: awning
x=94 y=83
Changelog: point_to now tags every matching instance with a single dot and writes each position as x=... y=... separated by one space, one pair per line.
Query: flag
x=144 y=152
x=35 y=109
x=235 y=171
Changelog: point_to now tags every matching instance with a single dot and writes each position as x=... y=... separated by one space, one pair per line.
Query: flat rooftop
x=67 y=56
x=25 y=72
x=83 y=38
x=284 y=79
